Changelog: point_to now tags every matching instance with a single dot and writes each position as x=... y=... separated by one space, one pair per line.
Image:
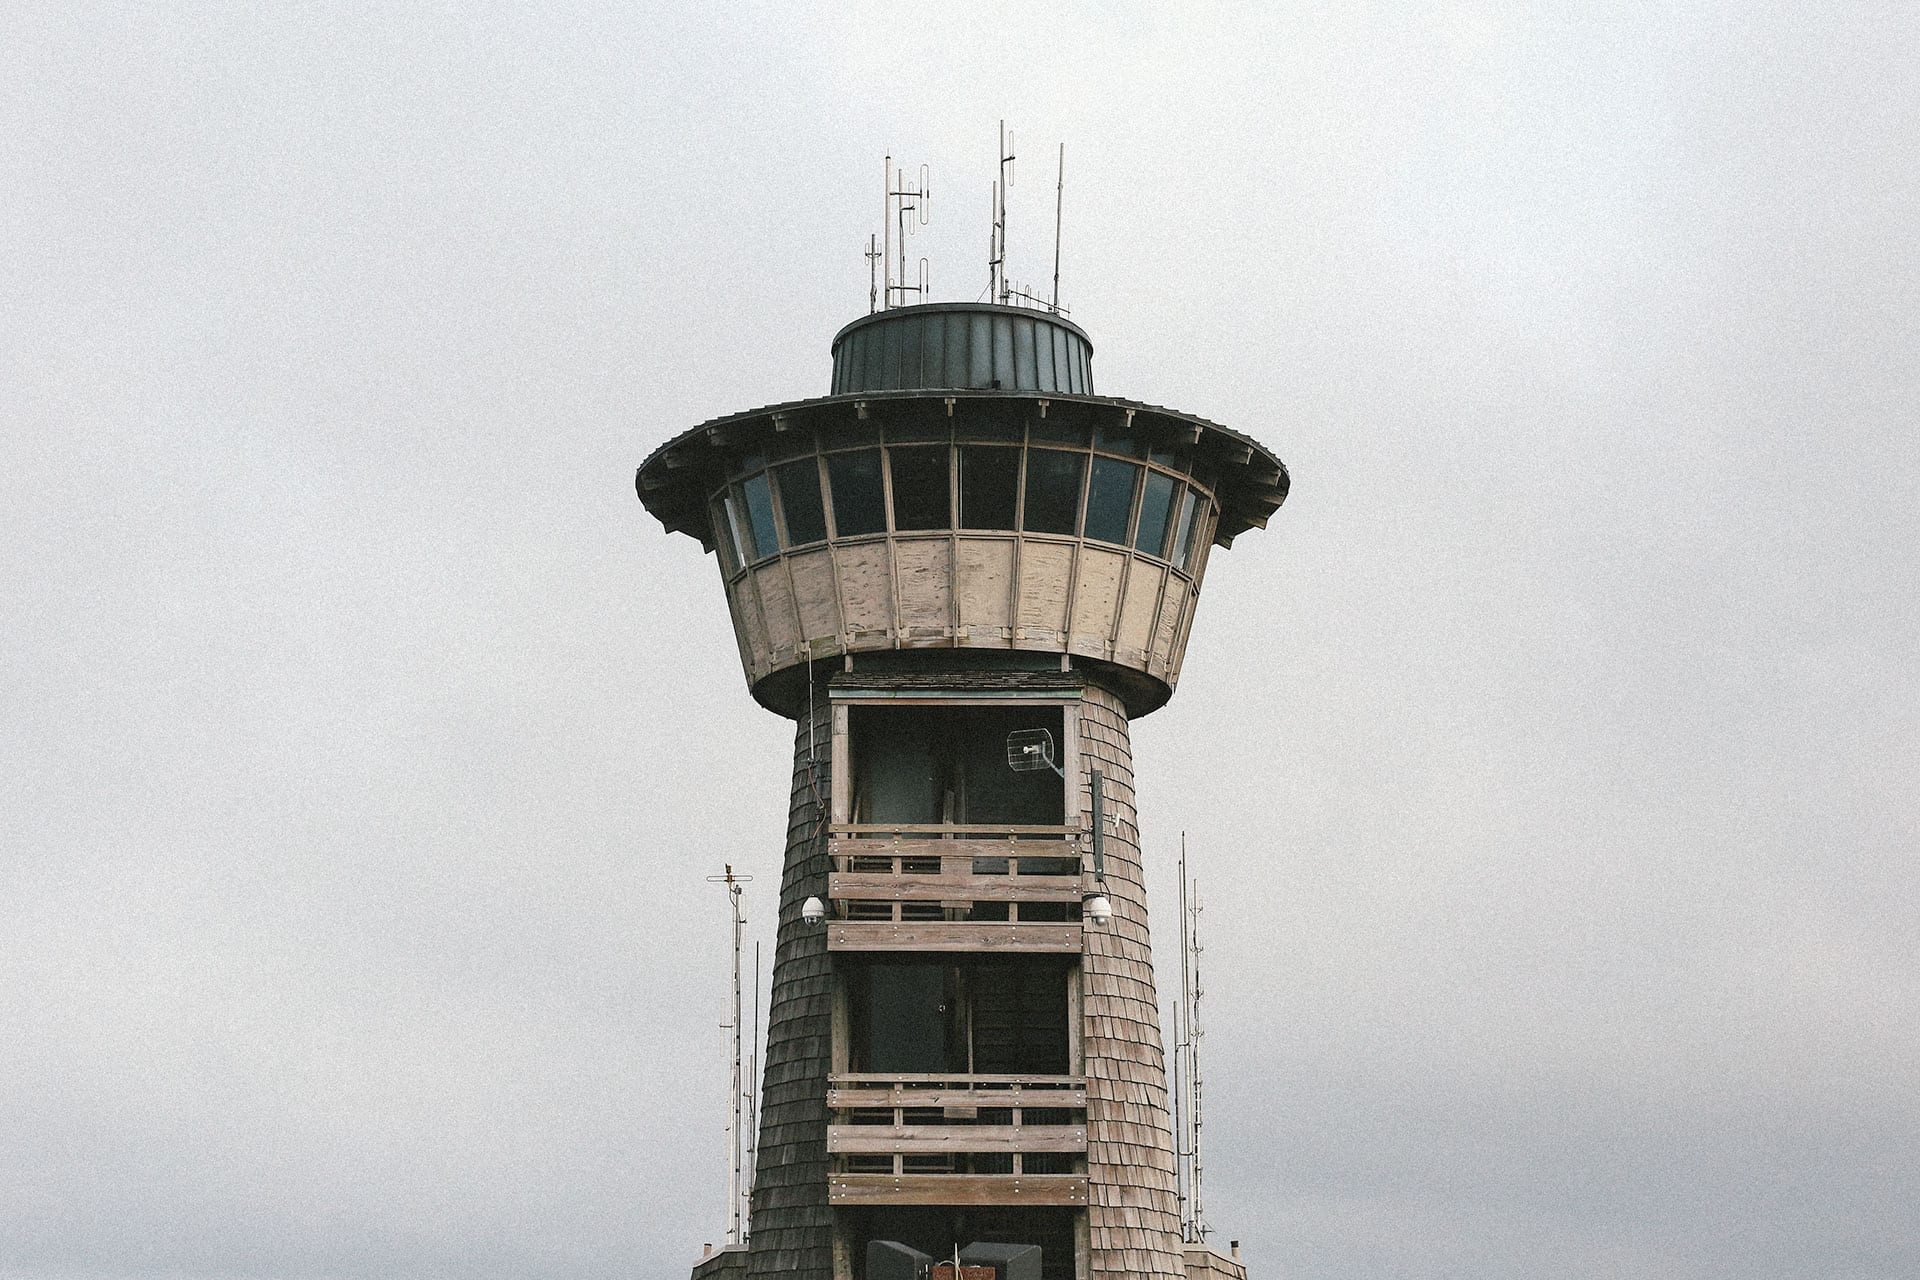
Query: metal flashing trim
x=1059 y=685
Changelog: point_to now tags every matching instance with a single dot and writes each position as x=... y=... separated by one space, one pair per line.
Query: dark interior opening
x=938 y=1230
x=946 y=764
x=960 y=1015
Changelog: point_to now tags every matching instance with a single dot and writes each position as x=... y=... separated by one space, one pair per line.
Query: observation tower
x=962 y=574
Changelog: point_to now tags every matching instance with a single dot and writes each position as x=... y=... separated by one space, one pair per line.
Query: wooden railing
x=912 y=892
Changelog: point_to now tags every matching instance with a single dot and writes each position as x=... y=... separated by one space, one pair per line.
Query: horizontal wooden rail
x=941 y=1139
x=942 y=935
x=902 y=1095
x=957 y=1188
x=963 y=886
x=956 y=1079
x=974 y=830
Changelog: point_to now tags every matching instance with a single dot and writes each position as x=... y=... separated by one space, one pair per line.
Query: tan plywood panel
x=1138 y=612
x=925 y=570
x=1172 y=608
x=749 y=627
x=1096 y=596
x=776 y=607
x=866 y=588
x=1046 y=572
x=986 y=577
x=814 y=596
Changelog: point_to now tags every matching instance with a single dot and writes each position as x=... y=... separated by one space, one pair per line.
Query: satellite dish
x=1031 y=749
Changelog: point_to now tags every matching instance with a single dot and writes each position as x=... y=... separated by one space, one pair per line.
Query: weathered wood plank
x=939 y=1139
x=940 y=935
x=957 y=1188
x=960 y=849
x=872 y=885
x=847 y=1099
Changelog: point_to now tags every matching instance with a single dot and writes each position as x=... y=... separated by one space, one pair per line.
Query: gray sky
x=1549 y=765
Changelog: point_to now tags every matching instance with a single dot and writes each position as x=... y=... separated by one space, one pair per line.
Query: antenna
x=753 y=1103
x=999 y=255
x=908 y=207
x=873 y=256
x=1059 y=202
x=736 y=1213
x=1188 y=1174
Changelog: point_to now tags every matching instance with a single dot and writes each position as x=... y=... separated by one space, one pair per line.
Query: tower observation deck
x=960 y=549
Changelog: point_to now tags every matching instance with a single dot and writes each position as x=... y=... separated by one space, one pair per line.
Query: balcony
x=943 y=888
x=950 y=1140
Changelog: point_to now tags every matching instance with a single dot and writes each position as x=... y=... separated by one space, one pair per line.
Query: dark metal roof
x=976 y=345
x=677 y=477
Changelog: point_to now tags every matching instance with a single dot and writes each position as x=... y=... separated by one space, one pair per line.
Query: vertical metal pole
x=1059 y=202
x=886 y=230
x=1182 y=1176
x=733 y=1126
x=1099 y=830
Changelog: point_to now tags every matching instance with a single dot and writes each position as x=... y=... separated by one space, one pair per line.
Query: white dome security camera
x=1098 y=909
x=813 y=911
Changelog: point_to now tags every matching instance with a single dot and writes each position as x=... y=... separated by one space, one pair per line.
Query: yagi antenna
x=1059 y=202
x=1000 y=288
x=997 y=255
x=906 y=208
x=873 y=256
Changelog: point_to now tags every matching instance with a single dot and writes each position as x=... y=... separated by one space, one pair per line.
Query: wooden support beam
x=939 y=935
x=880 y=886
x=957 y=1188
x=849 y=1099
x=944 y=1139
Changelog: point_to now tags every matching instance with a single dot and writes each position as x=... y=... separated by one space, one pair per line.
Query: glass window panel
x=1002 y=351
x=920 y=488
x=989 y=485
x=759 y=496
x=1053 y=490
x=800 y=501
x=1110 y=499
x=1183 y=532
x=723 y=539
x=1156 y=513
x=858 y=504
x=743 y=546
x=1165 y=457
x=1196 y=533
x=1060 y=345
x=1023 y=353
x=1043 y=356
x=980 y=355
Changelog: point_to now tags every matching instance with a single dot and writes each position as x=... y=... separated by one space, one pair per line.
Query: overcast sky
x=1549 y=765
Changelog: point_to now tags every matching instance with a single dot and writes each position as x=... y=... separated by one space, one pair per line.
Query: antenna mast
x=1059 y=202
x=1188 y=1172
x=997 y=259
x=909 y=206
x=736 y=1183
